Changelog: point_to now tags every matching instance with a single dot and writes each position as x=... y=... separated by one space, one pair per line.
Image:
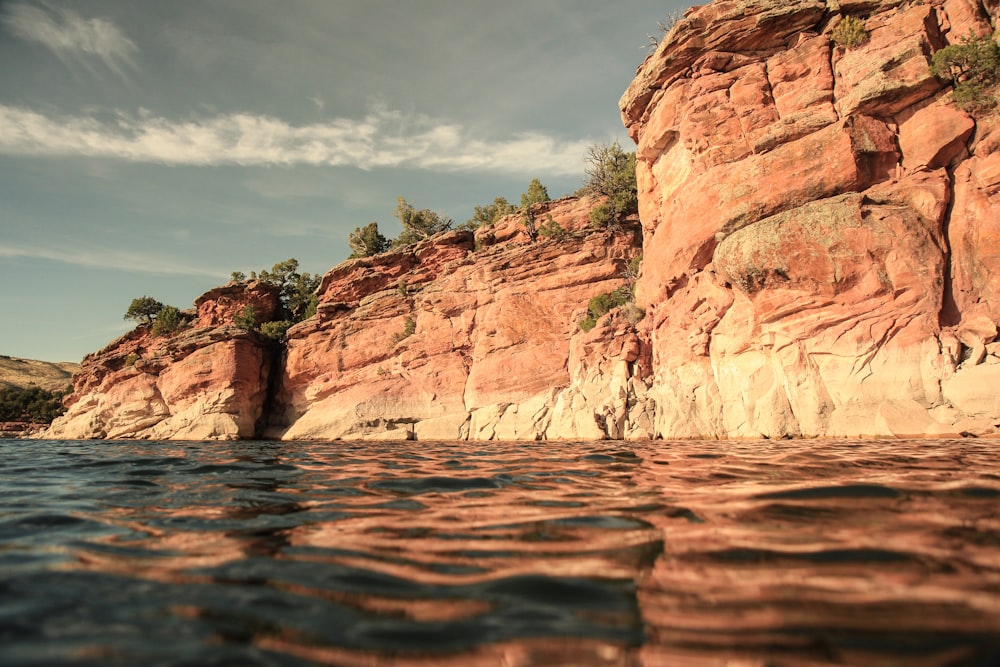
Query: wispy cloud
x=108 y=259
x=383 y=138
x=69 y=35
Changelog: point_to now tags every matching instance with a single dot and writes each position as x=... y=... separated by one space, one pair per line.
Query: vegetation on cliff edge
x=147 y=310
x=973 y=66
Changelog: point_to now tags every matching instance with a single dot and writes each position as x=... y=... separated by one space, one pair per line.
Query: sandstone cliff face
x=820 y=231
x=820 y=224
x=456 y=337
x=207 y=381
x=441 y=340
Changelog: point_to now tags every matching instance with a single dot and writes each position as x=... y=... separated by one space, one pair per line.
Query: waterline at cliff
x=515 y=553
x=817 y=225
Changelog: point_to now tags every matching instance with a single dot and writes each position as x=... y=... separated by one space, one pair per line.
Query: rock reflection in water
x=500 y=553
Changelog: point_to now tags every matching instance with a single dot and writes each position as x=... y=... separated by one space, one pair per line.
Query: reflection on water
x=662 y=553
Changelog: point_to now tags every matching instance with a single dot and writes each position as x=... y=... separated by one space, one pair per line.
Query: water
x=417 y=553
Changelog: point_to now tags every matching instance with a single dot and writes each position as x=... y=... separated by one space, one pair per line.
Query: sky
x=153 y=148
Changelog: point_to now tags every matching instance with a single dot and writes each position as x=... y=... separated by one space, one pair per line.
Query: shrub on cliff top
x=367 y=241
x=168 y=320
x=488 y=214
x=536 y=194
x=143 y=309
x=665 y=26
x=146 y=310
x=417 y=224
x=297 y=291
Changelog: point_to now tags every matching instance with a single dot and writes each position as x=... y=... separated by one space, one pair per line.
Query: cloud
x=108 y=259
x=383 y=138
x=69 y=35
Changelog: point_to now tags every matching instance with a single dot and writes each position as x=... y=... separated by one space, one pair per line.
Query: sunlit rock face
x=820 y=232
x=471 y=336
x=820 y=224
x=209 y=380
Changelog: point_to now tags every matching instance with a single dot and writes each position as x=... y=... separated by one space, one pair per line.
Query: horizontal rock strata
x=820 y=232
x=443 y=341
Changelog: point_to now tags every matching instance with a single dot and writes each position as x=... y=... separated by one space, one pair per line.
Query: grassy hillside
x=27 y=373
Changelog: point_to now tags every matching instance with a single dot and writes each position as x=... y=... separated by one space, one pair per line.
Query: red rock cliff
x=440 y=340
x=452 y=338
x=209 y=380
x=820 y=224
x=819 y=227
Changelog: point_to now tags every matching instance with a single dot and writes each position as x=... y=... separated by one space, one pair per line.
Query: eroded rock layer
x=820 y=231
x=208 y=380
x=443 y=341
x=819 y=224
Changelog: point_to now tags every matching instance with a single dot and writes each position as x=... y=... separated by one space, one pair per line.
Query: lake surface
x=437 y=553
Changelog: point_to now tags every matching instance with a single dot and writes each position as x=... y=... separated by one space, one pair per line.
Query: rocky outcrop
x=461 y=336
x=469 y=336
x=819 y=224
x=209 y=380
x=819 y=228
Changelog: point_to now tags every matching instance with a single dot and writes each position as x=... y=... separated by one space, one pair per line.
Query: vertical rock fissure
x=949 y=314
x=275 y=355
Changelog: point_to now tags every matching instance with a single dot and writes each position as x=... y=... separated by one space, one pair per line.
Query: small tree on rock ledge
x=611 y=174
x=143 y=309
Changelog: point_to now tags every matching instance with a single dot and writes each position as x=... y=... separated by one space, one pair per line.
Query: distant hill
x=26 y=373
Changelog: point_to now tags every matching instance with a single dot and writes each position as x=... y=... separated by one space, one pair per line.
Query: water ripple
x=867 y=553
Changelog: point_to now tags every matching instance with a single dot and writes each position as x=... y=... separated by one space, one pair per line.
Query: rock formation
x=459 y=336
x=819 y=230
x=208 y=380
x=440 y=340
x=819 y=224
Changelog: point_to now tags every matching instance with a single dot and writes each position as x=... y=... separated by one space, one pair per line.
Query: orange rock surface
x=489 y=352
x=820 y=224
x=819 y=228
x=208 y=380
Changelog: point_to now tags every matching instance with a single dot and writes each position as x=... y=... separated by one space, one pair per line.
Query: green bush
x=602 y=304
x=143 y=309
x=417 y=224
x=367 y=241
x=488 y=214
x=297 y=290
x=849 y=33
x=409 y=328
x=611 y=174
x=601 y=216
x=552 y=229
x=973 y=66
x=276 y=329
x=246 y=319
x=31 y=404
x=168 y=320
x=536 y=194
x=972 y=97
